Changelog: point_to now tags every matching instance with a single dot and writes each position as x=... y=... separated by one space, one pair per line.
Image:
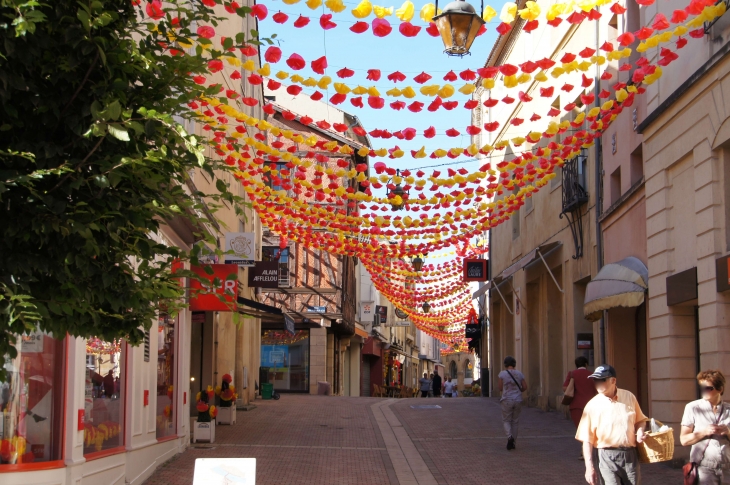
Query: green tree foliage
x=93 y=156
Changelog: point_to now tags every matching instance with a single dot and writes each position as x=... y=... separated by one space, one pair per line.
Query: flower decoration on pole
x=227 y=392
x=458 y=25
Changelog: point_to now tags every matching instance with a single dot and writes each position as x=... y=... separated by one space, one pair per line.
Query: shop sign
x=32 y=343
x=473 y=331
x=382 y=312
x=475 y=270
x=265 y=274
x=205 y=297
x=289 y=324
x=243 y=247
x=367 y=309
x=401 y=314
x=316 y=309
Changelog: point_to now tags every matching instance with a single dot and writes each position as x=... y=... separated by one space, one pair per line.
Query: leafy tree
x=93 y=156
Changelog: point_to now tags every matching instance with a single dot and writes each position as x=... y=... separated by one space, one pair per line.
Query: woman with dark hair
x=511 y=384
x=583 y=390
x=705 y=427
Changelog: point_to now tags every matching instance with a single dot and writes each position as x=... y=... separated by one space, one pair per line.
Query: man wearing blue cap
x=611 y=426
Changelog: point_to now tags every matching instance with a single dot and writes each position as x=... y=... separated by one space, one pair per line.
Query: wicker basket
x=657 y=446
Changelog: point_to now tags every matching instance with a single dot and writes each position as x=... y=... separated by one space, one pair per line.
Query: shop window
x=285 y=360
x=104 y=396
x=468 y=370
x=271 y=253
x=31 y=402
x=453 y=373
x=166 y=343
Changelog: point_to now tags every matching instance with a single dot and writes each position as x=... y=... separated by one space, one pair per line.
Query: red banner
x=206 y=296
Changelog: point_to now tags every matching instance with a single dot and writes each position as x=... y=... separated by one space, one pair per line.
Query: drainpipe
x=599 y=207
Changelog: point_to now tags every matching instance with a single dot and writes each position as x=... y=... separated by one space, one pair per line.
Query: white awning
x=620 y=284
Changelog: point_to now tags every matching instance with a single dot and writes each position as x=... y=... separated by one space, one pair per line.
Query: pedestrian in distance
x=425 y=384
x=448 y=387
x=430 y=385
x=705 y=427
x=583 y=390
x=610 y=428
x=436 y=384
x=511 y=384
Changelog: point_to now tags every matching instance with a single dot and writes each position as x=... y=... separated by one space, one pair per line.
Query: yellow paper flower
x=421 y=154
x=363 y=9
x=510 y=81
x=430 y=90
x=265 y=70
x=282 y=75
x=555 y=10
x=372 y=91
x=541 y=77
x=314 y=4
x=428 y=12
x=406 y=11
x=342 y=88
x=530 y=12
x=336 y=6
x=488 y=83
x=446 y=91
x=467 y=88
x=309 y=82
x=408 y=92
x=393 y=92
x=324 y=82
x=509 y=11
x=360 y=90
x=381 y=12
x=290 y=2
x=489 y=13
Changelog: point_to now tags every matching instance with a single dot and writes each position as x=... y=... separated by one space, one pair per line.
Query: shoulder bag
x=691 y=470
x=515 y=380
x=569 y=392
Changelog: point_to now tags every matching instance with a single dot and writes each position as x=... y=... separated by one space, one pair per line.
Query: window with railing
x=575 y=180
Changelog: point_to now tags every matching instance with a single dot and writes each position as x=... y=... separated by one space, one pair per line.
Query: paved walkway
x=320 y=440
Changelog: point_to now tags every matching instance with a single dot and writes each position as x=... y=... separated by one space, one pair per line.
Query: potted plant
x=226 y=401
x=205 y=425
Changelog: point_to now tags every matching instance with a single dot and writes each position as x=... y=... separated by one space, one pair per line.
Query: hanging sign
x=473 y=331
x=401 y=314
x=265 y=274
x=367 y=308
x=204 y=297
x=289 y=324
x=475 y=270
x=243 y=245
x=382 y=312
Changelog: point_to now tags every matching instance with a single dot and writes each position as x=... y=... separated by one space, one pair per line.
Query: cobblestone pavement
x=303 y=439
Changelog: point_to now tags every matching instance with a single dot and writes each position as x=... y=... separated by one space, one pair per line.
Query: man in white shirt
x=448 y=387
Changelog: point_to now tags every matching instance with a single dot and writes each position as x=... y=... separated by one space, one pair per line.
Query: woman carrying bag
x=582 y=390
x=705 y=427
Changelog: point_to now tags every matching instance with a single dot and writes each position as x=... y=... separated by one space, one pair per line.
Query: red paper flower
x=568 y=57
x=432 y=30
x=409 y=133
x=340 y=127
x=232 y=7
x=604 y=94
x=273 y=84
x=255 y=79
x=199 y=80
x=449 y=105
x=280 y=17
x=201 y=407
x=430 y=132
x=397 y=105
x=337 y=98
x=617 y=9
x=503 y=28
x=569 y=107
x=215 y=65
x=645 y=3
x=272 y=54
x=294 y=90
x=508 y=69
x=576 y=18
x=345 y=73
x=323 y=125
x=545 y=63
x=482 y=30
x=396 y=76
x=508 y=100
x=236 y=75
x=471 y=104
x=594 y=14
x=586 y=81
x=553 y=112
x=587 y=99
x=697 y=33
x=360 y=132
x=305 y=120
x=524 y=97
x=381 y=27
x=450 y=76
x=567 y=87
x=422 y=78
x=555 y=22
x=435 y=104
x=250 y=51
x=259 y=11
x=376 y=102
x=587 y=52
x=296 y=62
x=660 y=22
x=625 y=39
x=644 y=33
x=206 y=31
x=325 y=21
x=491 y=103
x=319 y=65
x=678 y=16
x=473 y=130
x=516 y=121
x=606 y=76
x=301 y=22
x=468 y=75
x=681 y=42
x=491 y=126
x=607 y=47
x=373 y=75
x=356 y=102
x=408 y=29
x=530 y=25
x=360 y=27
x=154 y=9
x=535 y=117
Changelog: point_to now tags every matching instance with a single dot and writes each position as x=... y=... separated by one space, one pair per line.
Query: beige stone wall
x=686 y=210
x=317 y=357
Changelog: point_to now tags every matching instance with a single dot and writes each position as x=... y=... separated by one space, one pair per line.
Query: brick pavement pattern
x=304 y=439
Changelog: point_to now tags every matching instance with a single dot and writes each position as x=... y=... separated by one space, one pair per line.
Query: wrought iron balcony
x=574 y=197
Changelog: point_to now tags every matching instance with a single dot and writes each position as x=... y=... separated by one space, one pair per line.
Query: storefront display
x=285 y=359
x=166 y=343
x=31 y=402
x=104 y=396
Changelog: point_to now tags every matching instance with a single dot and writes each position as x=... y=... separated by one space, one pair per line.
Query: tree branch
x=83 y=82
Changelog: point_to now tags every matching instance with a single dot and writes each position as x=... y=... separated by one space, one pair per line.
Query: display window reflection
x=285 y=359
x=31 y=402
x=104 y=396
x=166 y=341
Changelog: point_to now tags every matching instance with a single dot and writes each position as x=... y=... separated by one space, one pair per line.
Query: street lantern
x=458 y=25
x=426 y=307
x=417 y=264
x=397 y=194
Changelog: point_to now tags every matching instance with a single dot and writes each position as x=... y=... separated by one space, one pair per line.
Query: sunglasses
x=707 y=389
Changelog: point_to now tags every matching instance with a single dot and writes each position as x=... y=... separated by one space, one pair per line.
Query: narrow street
x=304 y=439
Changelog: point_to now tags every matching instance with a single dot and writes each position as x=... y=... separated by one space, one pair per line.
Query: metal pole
x=599 y=204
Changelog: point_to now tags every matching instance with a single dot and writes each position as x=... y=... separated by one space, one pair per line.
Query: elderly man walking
x=611 y=426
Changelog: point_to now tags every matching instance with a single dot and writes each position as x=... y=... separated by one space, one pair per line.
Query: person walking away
x=611 y=426
x=705 y=427
x=448 y=387
x=511 y=384
x=425 y=384
x=583 y=390
x=430 y=385
x=436 y=384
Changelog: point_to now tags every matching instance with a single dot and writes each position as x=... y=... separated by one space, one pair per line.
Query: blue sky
x=394 y=52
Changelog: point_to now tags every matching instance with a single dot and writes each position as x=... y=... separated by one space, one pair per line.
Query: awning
x=260 y=310
x=620 y=284
x=483 y=289
x=543 y=249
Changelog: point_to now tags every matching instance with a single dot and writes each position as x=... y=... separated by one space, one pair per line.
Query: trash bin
x=263 y=377
x=323 y=388
x=267 y=390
